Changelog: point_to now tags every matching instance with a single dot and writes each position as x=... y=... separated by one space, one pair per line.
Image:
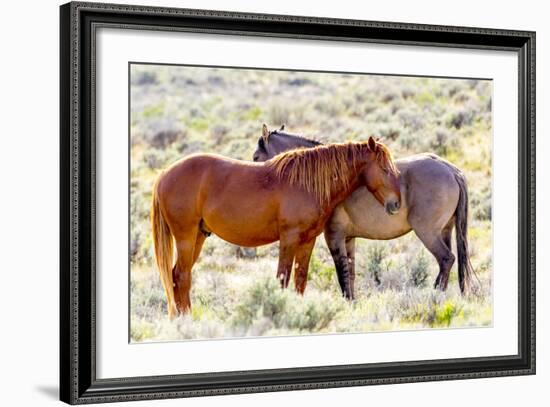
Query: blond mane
x=385 y=158
x=320 y=170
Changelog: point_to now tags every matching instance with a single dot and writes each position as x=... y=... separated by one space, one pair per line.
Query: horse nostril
x=393 y=207
x=255 y=158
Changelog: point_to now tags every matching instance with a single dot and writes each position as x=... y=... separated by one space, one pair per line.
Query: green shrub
x=460 y=118
x=375 y=256
x=284 y=310
x=419 y=270
x=481 y=203
x=144 y=78
x=278 y=114
x=312 y=313
x=264 y=298
x=153 y=111
x=321 y=274
x=445 y=313
x=443 y=141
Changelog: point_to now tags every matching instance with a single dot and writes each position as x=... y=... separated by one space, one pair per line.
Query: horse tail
x=465 y=269
x=164 y=250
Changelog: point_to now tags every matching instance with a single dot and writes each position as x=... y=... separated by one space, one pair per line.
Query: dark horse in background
x=288 y=198
x=434 y=200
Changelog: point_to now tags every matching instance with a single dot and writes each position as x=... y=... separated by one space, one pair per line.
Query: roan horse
x=434 y=199
x=288 y=198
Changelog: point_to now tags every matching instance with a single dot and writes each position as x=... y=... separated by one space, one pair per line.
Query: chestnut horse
x=435 y=199
x=288 y=198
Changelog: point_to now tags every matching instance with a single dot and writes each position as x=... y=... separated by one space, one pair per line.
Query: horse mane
x=313 y=141
x=262 y=141
x=321 y=169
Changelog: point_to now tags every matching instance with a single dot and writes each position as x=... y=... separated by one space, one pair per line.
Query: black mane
x=295 y=136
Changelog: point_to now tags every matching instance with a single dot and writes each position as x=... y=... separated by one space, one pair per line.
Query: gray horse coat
x=434 y=198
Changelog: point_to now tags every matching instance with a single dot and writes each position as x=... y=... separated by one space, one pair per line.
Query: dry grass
x=178 y=111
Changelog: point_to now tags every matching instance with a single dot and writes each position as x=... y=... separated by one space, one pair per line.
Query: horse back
x=431 y=187
x=199 y=174
x=427 y=173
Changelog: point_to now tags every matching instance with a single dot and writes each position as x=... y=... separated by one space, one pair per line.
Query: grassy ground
x=176 y=111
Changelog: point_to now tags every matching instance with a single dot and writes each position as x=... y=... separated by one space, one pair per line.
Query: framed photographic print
x=255 y=203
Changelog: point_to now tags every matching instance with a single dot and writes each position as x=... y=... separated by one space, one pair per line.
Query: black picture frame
x=78 y=382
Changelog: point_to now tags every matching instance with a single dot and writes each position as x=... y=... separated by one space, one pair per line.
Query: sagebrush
x=176 y=111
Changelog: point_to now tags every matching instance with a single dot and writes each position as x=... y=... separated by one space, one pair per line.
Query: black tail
x=465 y=269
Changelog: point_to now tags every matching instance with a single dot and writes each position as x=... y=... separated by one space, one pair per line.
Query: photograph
x=254 y=202
x=268 y=202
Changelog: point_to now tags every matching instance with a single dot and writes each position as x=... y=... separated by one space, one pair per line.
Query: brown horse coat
x=288 y=198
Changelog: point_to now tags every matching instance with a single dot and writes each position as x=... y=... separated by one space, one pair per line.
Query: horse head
x=381 y=176
x=274 y=142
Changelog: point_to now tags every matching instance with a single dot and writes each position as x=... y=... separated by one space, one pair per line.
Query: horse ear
x=372 y=144
x=265 y=133
x=282 y=127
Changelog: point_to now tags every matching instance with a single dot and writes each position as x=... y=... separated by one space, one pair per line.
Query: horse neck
x=300 y=141
x=283 y=142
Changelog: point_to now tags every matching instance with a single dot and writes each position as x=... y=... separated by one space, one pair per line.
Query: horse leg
x=446 y=234
x=301 y=265
x=182 y=279
x=337 y=246
x=350 y=249
x=199 y=241
x=287 y=249
x=185 y=244
x=435 y=243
